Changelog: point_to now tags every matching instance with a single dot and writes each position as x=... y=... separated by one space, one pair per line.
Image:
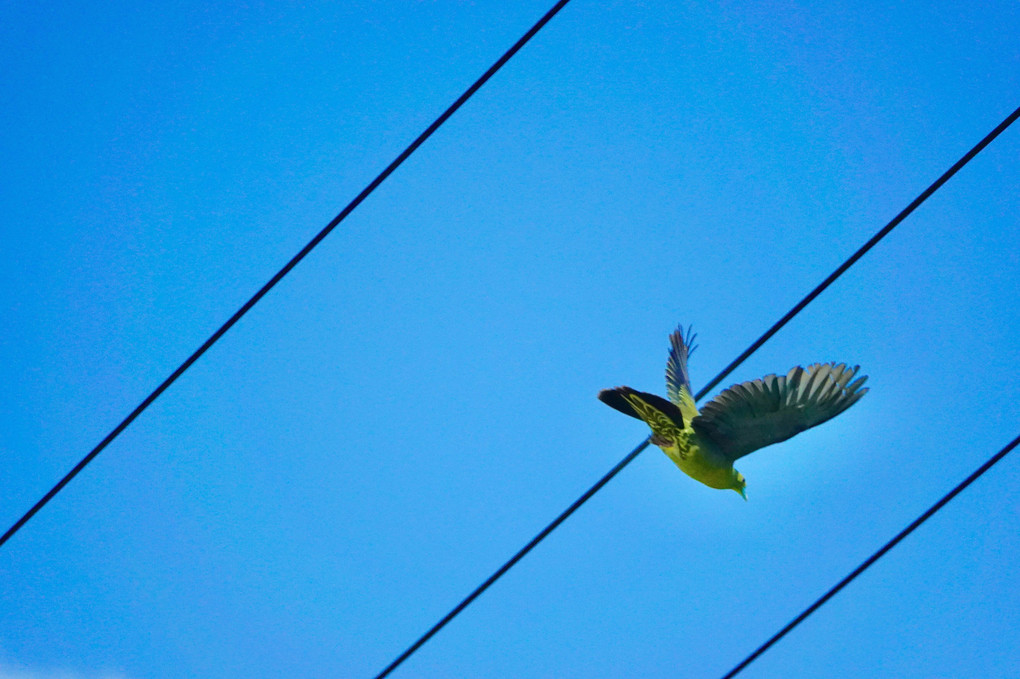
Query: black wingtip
x=614 y=399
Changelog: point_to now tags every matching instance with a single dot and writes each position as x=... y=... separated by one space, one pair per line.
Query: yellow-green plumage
x=741 y=419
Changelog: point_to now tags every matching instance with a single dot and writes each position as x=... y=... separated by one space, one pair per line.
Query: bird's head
x=738 y=484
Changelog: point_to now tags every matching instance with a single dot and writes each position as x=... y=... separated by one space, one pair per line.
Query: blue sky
x=417 y=399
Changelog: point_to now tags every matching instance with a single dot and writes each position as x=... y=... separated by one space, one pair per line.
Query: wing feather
x=622 y=399
x=678 y=381
x=664 y=417
x=752 y=415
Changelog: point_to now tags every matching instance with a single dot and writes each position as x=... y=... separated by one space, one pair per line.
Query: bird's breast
x=692 y=458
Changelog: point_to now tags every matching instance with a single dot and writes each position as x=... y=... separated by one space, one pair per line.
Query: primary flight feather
x=741 y=419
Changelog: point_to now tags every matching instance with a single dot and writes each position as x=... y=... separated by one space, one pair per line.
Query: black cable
x=1010 y=119
x=286 y=269
x=513 y=560
x=924 y=195
x=874 y=557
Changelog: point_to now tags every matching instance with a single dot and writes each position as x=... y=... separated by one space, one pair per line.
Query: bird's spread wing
x=756 y=414
x=678 y=382
x=663 y=417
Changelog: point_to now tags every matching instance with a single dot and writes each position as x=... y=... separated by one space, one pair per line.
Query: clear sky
x=417 y=399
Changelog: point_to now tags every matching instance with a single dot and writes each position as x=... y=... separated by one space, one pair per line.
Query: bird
x=741 y=419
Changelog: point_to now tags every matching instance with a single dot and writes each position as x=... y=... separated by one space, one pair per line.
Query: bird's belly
x=693 y=461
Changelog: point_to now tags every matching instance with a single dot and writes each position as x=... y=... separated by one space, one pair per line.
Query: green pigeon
x=741 y=419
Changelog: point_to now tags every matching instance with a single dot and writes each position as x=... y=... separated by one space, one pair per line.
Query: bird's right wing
x=678 y=382
x=756 y=414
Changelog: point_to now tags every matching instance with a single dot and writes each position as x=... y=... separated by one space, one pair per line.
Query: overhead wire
x=867 y=563
x=419 y=140
x=796 y=309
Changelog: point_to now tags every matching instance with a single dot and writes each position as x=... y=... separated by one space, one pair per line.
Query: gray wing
x=756 y=414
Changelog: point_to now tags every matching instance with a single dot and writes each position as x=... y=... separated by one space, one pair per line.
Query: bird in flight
x=741 y=419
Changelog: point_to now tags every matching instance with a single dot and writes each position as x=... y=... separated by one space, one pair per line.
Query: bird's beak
x=743 y=494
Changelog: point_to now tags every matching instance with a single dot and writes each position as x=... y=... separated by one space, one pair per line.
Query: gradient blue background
x=417 y=398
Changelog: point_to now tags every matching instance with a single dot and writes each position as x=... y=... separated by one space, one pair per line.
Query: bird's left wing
x=756 y=414
x=678 y=382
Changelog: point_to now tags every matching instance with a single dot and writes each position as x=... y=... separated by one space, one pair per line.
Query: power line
x=513 y=560
x=797 y=308
x=874 y=557
x=286 y=269
x=923 y=196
